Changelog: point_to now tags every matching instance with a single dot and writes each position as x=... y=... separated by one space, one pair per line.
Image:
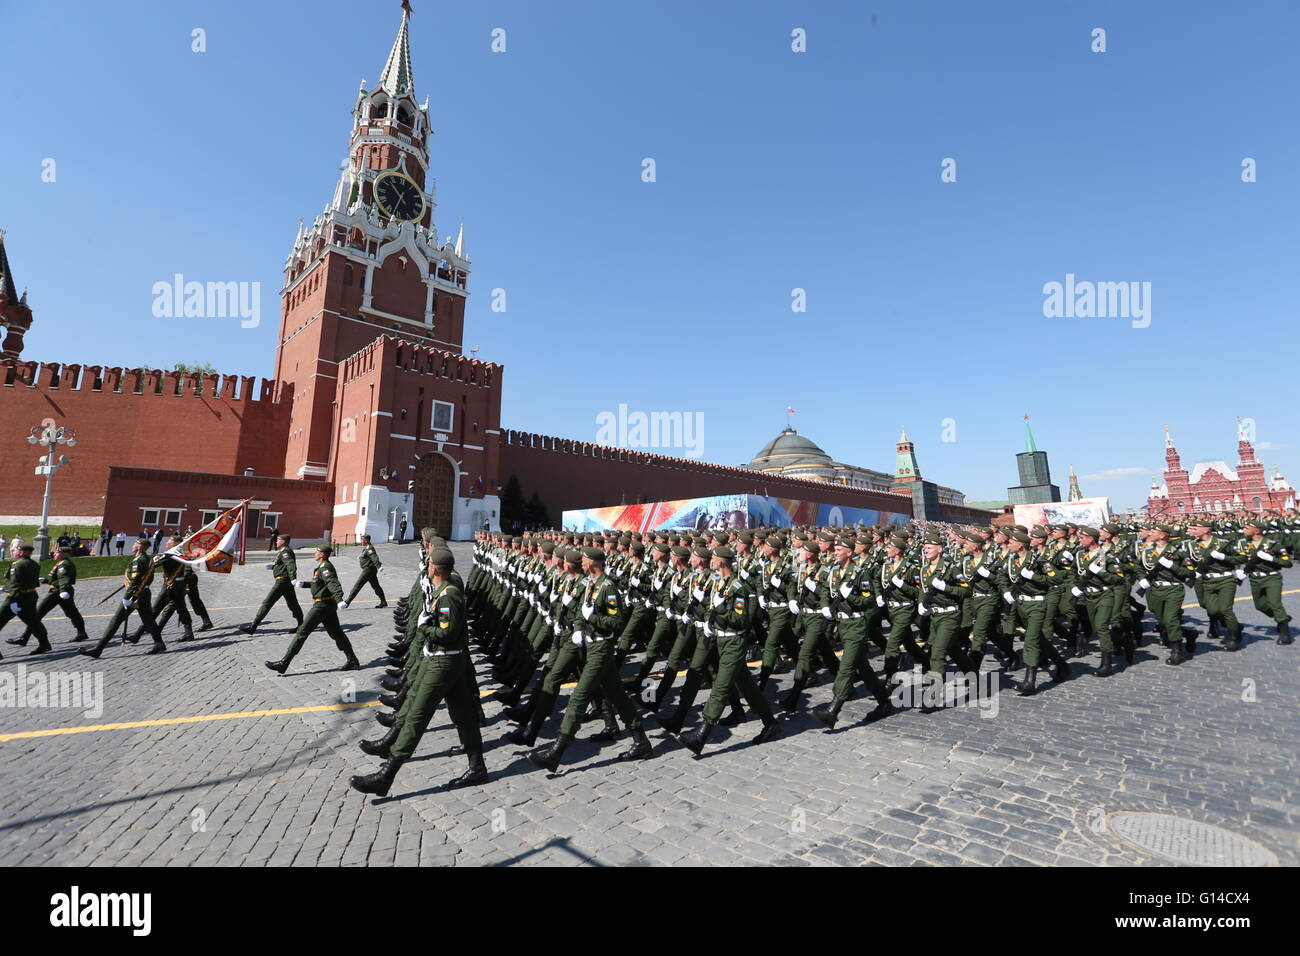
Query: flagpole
x=243 y=530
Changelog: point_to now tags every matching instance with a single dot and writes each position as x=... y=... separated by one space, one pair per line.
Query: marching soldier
x=1026 y=579
x=135 y=597
x=1097 y=575
x=284 y=569
x=172 y=593
x=370 y=565
x=1265 y=556
x=943 y=591
x=441 y=675
x=1164 y=571
x=62 y=580
x=190 y=581
x=21 y=583
x=325 y=591
x=808 y=598
x=897 y=594
x=1215 y=584
x=978 y=568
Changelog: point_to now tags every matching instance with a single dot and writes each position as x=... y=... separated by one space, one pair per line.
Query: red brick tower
x=370 y=264
x=15 y=316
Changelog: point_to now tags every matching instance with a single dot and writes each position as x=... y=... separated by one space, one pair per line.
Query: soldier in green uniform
x=370 y=565
x=775 y=571
x=595 y=635
x=325 y=592
x=21 y=583
x=190 y=582
x=808 y=598
x=896 y=593
x=1215 y=584
x=853 y=606
x=1264 y=557
x=942 y=592
x=135 y=597
x=1026 y=577
x=1097 y=574
x=62 y=580
x=670 y=568
x=171 y=596
x=284 y=569
x=1165 y=571
x=978 y=568
x=727 y=619
x=441 y=676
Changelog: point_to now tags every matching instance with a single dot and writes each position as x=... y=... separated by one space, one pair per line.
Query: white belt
x=697 y=624
x=1167 y=584
x=726 y=633
x=1031 y=597
x=428 y=653
x=1218 y=574
x=849 y=615
x=1263 y=574
x=942 y=610
x=900 y=603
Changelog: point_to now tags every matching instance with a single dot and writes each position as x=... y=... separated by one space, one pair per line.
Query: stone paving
x=1031 y=781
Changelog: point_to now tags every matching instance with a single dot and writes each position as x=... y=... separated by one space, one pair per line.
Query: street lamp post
x=51 y=436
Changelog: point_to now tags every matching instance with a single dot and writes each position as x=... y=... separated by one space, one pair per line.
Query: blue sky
x=775 y=171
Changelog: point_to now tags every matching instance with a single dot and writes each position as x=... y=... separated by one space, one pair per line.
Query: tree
x=536 y=515
x=512 y=504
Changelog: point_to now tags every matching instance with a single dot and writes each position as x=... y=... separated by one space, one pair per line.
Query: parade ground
x=203 y=756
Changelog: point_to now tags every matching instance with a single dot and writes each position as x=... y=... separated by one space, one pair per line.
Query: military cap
x=701 y=551
x=325 y=549
x=898 y=541
x=812 y=547
x=864 y=540
x=663 y=547
x=1200 y=523
x=594 y=554
x=638 y=549
x=1111 y=527
x=724 y=553
x=441 y=558
x=972 y=536
x=1018 y=535
x=1259 y=522
x=1090 y=532
x=27 y=548
x=1038 y=531
x=548 y=547
x=681 y=551
x=1161 y=526
x=933 y=537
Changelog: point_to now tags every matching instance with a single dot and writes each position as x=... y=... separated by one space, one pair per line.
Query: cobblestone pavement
x=1030 y=781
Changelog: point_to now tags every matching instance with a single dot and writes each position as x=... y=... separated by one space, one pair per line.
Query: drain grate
x=1187 y=841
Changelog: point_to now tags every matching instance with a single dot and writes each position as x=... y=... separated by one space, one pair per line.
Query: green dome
x=789 y=448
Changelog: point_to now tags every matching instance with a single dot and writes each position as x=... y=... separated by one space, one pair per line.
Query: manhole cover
x=1186 y=841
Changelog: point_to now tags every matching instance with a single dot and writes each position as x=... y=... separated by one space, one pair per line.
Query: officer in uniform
x=897 y=594
x=594 y=635
x=135 y=597
x=62 y=580
x=190 y=582
x=285 y=569
x=370 y=565
x=1165 y=570
x=808 y=598
x=21 y=582
x=1265 y=556
x=1026 y=578
x=1216 y=561
x=978 y=569
x=1097 y=574
x=943 y=591
x=441 y=675
x=325 y=592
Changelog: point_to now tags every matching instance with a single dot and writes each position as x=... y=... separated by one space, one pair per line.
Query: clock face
x=398 y=197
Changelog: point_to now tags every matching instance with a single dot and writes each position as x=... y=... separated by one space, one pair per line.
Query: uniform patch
x=444 y=617
x=738 y=605
x=611 y=604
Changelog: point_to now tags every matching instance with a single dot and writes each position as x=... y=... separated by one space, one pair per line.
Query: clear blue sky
x=776 y=170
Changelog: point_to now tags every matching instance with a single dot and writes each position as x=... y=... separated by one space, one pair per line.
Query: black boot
x=790 y=702
x=380 y=746
x=694 y=740
x=42 y=647
x=828 y=714
x=640 y=749
x=1284 y=632
x=279 y=666
x=91 y=651
x=548 y=758
x=249 y=628
x=81 y=636
x=884 y=707
x=351 y=663
x=1029 y=684
x=18 y=641
x=764 y=674
x=1129 y=646
x=1081 y=645
x=158 y=647
x=519 y=713
x=474 y=775
x=771 y=730
x=394 y=701
x=735 y=717
x=611 y=731
x=186 y=635
x=976 y=661
x=394 y=684
x=1105 y=670
x=1190 y=647
x=386 y=718
x=1175 y=653
x=380 y=781
x=526 y=736
x=1060 y=671
x=205 y=626
x=1234 y=638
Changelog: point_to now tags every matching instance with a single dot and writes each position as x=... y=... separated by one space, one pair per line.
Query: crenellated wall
x=140 y=418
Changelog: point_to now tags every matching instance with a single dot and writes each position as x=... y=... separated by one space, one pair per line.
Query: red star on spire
x=406 y=5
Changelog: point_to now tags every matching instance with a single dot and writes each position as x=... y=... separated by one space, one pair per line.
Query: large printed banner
x=1087 y=511
x=731 y=512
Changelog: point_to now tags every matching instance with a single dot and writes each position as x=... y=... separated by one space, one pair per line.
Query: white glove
x=880 y=600
x=983 y=572
x=425 y=618
x=898 y=582
x=344 y=606
x=576 y=637
x=648 y=604
x=126 y=603
x=762 y=601
x=698 y=594
x=1096 y=567
x=586 y=611
x=794 y=606
x=64 y=595
x=1166 y=563
x=676 y=590
x=774 y=581
x=1218 y=555
x=844 y=589
x=303 y=584
x=922 y=610
x=270 y=566
x=745 y=575
x=708 y=631
x=1076 y=592
x=556 y=629
x=1144 y=584
x=636 y=582
x=686 y=619
x=1027 y=574
x=1006 y=596
x=717 y=599
x=1241 y=575
x=1264 y=555
x=567 y=600
x=1067 y=555
x=940 y=585
x=826 y=613
x=810 y=584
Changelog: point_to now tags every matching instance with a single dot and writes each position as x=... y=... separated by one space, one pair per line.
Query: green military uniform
x=62 y=580
x=808 y=599
x=171 y=595
x=370 y=565
x=943 y=591
x=1165 y=569
x=190 y=579
x=1215 y=561
x=284 y=569
x=22 y=580
x=325 y=592
x=1098 y=574
x=772 y=587
x=1264 y=558
x=852 y=591
x=1026 y=578
x=896 y=593
x=135 y=597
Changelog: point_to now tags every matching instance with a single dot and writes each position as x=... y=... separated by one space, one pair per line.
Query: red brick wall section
x=569 y=474
x=305 y=505
x=233 y=425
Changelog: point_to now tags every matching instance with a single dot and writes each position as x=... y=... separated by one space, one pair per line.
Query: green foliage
x=513 y=507
x=105 y=567
x=536 y=514
x=89 y=533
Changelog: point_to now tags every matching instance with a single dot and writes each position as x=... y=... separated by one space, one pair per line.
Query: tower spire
x=460 y=240
x=397 y=79
x=1029 y=437
x=1075 y=493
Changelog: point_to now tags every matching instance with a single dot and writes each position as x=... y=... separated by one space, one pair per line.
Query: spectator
x=16 y=547
x=401 y=530
x=4 y=545
x=121 y=541
x=105 y=540
x=270 y=539
x=157 y=538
